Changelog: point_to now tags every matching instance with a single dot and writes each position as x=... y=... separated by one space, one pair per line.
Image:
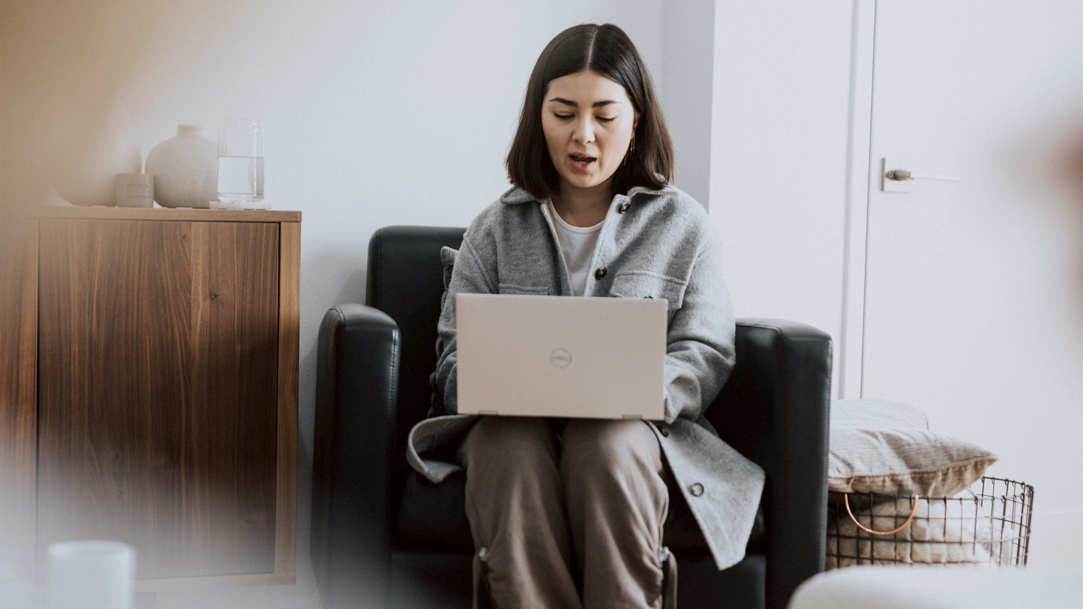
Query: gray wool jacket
x=653 y=243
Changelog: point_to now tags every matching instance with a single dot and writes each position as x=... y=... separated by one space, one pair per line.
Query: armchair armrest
x=774 y=409
x=356 y=393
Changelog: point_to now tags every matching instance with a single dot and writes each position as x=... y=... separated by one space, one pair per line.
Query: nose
x=584 y=130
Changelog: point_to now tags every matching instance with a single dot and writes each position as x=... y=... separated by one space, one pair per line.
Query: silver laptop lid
x=558 y=356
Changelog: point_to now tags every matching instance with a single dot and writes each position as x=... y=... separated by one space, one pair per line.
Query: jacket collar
x=516 y=195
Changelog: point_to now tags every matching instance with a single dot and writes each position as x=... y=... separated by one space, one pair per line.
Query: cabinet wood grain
x=18 y=384
x=289 y=334
x=167 y=391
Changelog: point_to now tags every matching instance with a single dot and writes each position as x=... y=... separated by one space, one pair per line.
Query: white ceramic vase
x=93 y=146
x=185 y=169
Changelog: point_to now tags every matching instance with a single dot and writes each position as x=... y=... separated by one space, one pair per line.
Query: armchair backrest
x=405 y=281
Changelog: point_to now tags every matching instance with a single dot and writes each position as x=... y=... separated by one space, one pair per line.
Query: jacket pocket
x=511 y=288
x=644 y=284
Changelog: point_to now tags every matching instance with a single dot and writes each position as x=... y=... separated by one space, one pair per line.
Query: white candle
x=91 y=575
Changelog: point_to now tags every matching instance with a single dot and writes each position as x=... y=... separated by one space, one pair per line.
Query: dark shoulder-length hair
x=606 y=50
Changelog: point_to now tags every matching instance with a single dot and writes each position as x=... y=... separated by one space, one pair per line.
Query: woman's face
x=588 y=122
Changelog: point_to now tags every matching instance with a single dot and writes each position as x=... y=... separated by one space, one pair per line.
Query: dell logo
x=560 y=358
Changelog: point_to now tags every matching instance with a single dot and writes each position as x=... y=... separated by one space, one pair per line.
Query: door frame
x=859 y=184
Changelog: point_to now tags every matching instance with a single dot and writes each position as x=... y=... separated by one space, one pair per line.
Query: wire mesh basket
x=988 y=523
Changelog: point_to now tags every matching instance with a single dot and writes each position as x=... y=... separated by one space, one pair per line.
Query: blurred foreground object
x=924 y=587
x=91 y=575
x=15 y=593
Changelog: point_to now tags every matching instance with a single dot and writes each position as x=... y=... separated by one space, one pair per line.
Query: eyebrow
x=561 y=100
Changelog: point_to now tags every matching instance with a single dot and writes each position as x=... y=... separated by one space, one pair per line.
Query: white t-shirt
x=577 y=243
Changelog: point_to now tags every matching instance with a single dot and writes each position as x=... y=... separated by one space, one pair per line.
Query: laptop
x=558 y=356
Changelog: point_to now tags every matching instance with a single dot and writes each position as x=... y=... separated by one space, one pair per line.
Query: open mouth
x=581 y=161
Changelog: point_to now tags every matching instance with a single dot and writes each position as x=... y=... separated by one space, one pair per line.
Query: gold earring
x=631 y=149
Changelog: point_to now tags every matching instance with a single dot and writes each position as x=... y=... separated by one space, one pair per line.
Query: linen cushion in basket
x=886 y=448
x=943 y=531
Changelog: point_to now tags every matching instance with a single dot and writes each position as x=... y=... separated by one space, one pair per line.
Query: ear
x=635 y=122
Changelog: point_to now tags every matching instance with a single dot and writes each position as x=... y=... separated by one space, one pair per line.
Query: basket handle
x=914 y=500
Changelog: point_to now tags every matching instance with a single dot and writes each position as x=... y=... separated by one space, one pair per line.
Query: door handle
x=902 y=180
x=904 y=174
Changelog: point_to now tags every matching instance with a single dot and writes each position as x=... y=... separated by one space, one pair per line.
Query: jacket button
x=696 y=489
x=662 y=430
x=600 y=273
x=623 y=208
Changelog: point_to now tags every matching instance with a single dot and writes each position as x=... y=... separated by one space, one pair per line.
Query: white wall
x=686 y=91
x=779 y=155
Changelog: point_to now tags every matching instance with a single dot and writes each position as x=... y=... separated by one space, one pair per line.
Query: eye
x=562 y=117
x=607 y=120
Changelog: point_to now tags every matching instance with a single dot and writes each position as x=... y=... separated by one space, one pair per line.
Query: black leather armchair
x=382 y=536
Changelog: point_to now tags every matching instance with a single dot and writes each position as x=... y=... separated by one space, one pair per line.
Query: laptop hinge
x=488 y=412
x=632 y=416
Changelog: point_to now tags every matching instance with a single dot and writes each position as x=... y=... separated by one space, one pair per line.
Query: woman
x=570 y=513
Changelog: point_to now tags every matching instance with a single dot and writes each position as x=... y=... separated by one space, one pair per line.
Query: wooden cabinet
x=167 y=370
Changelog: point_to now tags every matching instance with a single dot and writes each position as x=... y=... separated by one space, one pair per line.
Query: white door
x=973 y=290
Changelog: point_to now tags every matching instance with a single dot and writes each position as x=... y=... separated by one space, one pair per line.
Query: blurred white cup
x=91 y=575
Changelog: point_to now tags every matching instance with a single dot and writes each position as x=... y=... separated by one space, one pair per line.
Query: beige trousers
x=567 y=518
